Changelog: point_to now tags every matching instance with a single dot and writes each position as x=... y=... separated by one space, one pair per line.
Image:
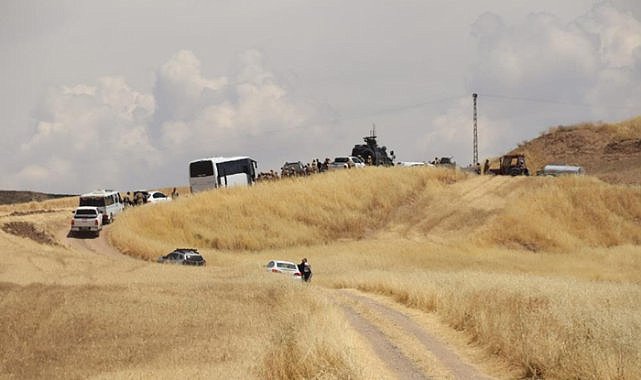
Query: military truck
x=511 y=164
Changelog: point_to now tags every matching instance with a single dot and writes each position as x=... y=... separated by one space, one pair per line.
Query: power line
x=553 y=101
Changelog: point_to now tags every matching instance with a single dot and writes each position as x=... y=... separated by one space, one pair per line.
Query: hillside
x=13 y=196
x=422 y=204
x=611 y=152
x=542 y=274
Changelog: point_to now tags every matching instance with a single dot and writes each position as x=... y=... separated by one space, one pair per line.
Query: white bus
x=214 y=172
x=108 y=202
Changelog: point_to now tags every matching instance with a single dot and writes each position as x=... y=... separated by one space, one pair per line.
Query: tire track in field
x=403 y=362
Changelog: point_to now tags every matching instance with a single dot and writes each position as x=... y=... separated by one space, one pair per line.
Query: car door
x=175 y=258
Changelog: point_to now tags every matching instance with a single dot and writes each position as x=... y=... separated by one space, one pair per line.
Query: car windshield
x=86 y=213
x=286 y=265
x=92 y=201
x=340 y=159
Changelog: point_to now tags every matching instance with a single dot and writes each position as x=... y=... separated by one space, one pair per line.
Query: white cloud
x=86 y=131
x=108 y=134
x=227 y=118
x=180 y=88
x=587 y=69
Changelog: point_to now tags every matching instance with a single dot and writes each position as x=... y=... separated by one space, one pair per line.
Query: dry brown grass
x=300 y=211
x=558 y=297
x=549 y=327
x=74 y=314
x=565 y=215
x=202 y=330
x=458 y=247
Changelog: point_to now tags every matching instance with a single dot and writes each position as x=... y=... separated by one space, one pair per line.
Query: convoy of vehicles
x=87 y=219
x=215 y=172
x=108 y=202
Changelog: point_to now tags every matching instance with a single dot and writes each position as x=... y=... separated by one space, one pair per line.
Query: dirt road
x=403 y=345
x=97 y=245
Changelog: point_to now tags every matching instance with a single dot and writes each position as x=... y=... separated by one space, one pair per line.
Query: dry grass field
x=543 y=272
x=542 y=275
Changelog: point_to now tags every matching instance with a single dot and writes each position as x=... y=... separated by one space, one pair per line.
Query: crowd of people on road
x=296 y=169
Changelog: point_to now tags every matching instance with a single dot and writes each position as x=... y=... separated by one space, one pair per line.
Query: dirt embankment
x=611 y=152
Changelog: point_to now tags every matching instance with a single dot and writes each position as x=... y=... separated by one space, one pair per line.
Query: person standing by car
x=305 y=270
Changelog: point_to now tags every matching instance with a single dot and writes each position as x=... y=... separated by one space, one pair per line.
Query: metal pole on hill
x=476 y=137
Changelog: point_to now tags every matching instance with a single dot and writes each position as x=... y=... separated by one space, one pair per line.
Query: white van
x=108 y=202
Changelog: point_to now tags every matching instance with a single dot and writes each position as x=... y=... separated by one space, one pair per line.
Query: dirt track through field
x=97 y=245
x=430 y=358
x=407 y=349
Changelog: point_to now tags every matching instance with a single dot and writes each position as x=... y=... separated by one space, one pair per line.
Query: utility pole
x=476 y=137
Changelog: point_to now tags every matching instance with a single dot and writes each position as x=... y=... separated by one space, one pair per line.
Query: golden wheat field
x=540 y=274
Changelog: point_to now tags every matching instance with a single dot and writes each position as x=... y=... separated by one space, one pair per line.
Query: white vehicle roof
x=88 y=208
x=221 y=159
x=100 y=193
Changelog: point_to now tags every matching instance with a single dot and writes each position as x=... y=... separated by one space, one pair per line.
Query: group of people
x=140 y=197
x=137 y=199
x=316 y=166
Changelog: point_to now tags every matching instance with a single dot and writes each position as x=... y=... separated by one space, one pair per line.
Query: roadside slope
x=611 y=152
x=419 y=204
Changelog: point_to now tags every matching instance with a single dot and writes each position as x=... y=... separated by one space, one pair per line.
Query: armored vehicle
x=372 y=154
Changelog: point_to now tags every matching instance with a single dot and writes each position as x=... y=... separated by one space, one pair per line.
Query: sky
x=123 y=94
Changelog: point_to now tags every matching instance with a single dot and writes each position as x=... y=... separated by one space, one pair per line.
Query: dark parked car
x=290 y=169
x=184 y=256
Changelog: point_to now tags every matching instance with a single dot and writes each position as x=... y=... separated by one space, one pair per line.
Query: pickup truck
x=346 y=163
x=86 y=219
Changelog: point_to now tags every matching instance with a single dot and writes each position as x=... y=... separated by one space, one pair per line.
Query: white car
x=86 y=219
x=347 y=162
x=358 y=162
x=284 y=267
x=157 y=197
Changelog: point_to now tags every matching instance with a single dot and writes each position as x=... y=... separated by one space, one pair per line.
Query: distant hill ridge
x=15 y=196
x=611 y=152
